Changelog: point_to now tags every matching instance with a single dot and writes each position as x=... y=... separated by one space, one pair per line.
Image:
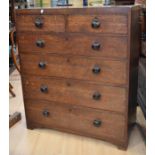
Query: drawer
x=75 y=93
x=81 y=68
x=116 y=24
x=53 y=23
x=75 y=44
x=86 y=121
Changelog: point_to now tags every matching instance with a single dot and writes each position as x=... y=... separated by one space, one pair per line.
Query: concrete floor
x=51 y=142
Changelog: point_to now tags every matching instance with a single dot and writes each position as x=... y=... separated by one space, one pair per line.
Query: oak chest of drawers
x=79 y=69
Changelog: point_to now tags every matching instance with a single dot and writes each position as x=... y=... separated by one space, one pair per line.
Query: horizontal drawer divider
x=74 y=55
x=87 y=81
x=78 y=80
x=67 y=32
x=63 y=104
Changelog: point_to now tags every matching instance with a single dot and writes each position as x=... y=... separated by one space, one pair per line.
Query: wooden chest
x=79 y=69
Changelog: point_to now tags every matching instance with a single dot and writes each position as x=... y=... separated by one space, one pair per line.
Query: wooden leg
x=12 y=50
x=10 y=90
x=13 y=119
x=122 y=147
x=10 y=86
x=12 y=93
x=30 y=125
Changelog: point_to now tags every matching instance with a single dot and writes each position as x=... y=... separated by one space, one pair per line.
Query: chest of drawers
x=79 y=69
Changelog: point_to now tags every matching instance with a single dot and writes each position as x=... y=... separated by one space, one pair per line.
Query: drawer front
x=75 y=44
x=97 y=70
x=53 y=23
x=99 y=124
x=98 y=24
x=76 y=93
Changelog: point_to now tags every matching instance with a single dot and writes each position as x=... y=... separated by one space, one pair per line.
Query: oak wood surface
x=53 y=142
x=108 y=23
x=55 y=23
x=70 y=59
x=65 y=116
x=76 y=93
x=76 y=68
x=75 y=44
x=134 y=60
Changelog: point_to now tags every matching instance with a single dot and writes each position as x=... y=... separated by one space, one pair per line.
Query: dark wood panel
x=76 y=93
x=134 y=59
x=107 y=23
x=81 y=68
x=77 y=119
x=75 y=44
x=55 y=23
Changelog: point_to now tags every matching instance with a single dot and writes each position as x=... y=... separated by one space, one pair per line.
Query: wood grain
x=75 y=67
x=69 y=62
x=55 y=23
x=108 y=24
x=61 y=116
x=53 y=142
x=75 y=44
x=76 y=93
x=134 y=60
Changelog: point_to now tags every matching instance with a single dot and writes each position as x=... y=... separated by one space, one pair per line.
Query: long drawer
x=90 y=69
x=75 y=44
x=75 y=93
x=86 y=121
x=36 y=23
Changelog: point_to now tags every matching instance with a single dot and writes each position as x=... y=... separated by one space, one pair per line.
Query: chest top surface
x=48 y=7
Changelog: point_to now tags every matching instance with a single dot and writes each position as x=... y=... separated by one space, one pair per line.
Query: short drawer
x=75 y=44
x=76 y=93
x=95 y=123
x=116 y=24
x=43 y=23
x=81 y=68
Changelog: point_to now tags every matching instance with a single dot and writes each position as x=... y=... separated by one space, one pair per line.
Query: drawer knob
x=39 y=23
x=96 y=46
x=97 y=123
x=95 y=23
x=96 y=69
x=46 y=113
x=40 y=43
x=44 y=89
x=96 y=96
x=42 y=65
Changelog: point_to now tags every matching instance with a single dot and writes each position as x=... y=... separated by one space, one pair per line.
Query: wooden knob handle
x=96 y=69
x=96 y=23
x=96 y=96
x=97 y=123
x=44 y=89
x=39 y=22
x=46 y=113
x=42 y=65
x=96 y=46
x=40 y=43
